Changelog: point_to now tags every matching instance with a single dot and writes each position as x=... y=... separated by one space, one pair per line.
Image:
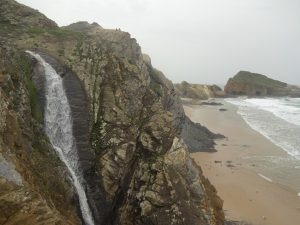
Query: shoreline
x=248 y=192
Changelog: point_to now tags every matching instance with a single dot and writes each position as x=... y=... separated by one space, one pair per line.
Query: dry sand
x=247 y=196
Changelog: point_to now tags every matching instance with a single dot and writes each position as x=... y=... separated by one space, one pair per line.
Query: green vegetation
x=61 y=52
x=96 y=138
x=62 y=33
x=36 y=31
x=5 y=28
x=257 y=80
x=25 y=68
x=55 y=32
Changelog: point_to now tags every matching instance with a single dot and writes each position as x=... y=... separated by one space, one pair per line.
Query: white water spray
x=58 y=124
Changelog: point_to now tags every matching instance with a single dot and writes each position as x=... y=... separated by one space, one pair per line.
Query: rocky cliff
x=198 y=91
x=34 y=184
x=130 y=130
x=253 y=84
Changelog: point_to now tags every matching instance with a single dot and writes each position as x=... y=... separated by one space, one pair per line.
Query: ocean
x=278 y=119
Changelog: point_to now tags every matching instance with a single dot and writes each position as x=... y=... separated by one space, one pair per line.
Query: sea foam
x=268 y=117
x=284 y=108
x=264 y=177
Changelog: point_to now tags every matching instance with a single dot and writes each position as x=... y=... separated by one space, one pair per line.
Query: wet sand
x=248 y=196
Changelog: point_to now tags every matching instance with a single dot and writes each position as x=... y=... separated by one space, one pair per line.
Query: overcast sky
x=200 y=41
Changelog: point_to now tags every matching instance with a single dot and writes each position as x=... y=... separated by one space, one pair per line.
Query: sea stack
x=254 y=84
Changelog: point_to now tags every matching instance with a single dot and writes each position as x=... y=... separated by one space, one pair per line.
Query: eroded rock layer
x=129 y=125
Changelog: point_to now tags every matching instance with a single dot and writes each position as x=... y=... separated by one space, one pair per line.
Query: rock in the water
x=211 y=103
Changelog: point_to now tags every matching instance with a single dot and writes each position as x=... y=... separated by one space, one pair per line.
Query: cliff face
x=34 y=184
x=129 y=126
x=195 y=136
x=253 y=84
x=198 y=91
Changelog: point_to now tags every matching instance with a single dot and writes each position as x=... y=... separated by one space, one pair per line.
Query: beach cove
x=251 y=189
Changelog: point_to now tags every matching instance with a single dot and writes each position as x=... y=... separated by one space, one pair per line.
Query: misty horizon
x=199 y=41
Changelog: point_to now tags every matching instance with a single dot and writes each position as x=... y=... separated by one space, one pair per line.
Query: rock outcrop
x=253 y=84
x=199 y=91
x=84 y=27
x=195 y=136
x=129 y=125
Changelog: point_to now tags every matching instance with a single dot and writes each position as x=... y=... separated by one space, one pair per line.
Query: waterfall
x=58 y=127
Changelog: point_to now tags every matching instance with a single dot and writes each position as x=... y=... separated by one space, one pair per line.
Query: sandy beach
x=248 y=194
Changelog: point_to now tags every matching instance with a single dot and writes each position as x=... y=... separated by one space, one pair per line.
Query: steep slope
x=33 y=184
x=128 y=133
x=253 y=84
x=195 y=136
x=198 y=91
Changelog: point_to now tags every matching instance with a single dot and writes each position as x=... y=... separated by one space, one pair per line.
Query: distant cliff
x=198 y=91
x=253 y=84
x=129 y=127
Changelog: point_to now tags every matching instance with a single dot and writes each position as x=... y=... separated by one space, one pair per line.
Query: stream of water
x=58 y=126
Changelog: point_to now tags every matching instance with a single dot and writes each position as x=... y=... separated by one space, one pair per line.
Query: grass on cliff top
x=55 y=32
x=258 y=80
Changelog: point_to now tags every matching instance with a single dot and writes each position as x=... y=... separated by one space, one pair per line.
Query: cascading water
x=58 y=125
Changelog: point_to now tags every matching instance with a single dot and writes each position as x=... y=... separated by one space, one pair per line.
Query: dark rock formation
x=253 y=84
x=198 y=137
x=129 y=126
x=198 y=91
x=211 y=103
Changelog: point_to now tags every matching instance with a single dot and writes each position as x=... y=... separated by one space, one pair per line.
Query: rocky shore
x=240 y=178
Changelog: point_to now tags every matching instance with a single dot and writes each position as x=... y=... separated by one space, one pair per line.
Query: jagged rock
x=129 y=123
x=253 y=84
x=198 y=91
x=195 y=136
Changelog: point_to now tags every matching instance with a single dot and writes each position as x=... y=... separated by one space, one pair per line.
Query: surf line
x=264 y=177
